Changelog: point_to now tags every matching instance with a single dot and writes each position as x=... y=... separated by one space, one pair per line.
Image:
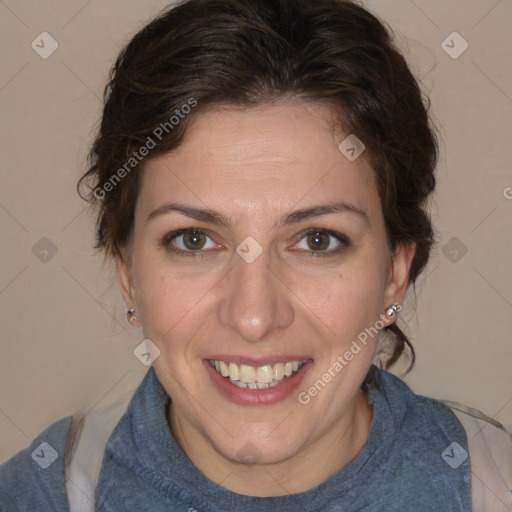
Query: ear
x=399 y=274
x=124 y=275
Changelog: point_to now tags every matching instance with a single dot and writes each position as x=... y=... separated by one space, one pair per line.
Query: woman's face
x=258 y=243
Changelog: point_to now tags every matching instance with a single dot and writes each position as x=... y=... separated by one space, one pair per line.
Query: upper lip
x=256 y=361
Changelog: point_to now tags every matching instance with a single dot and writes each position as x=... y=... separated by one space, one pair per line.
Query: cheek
x=345 y=301
x=169 y=302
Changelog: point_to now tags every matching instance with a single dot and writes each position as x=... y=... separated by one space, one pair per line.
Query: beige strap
x=490 y=453
x=87 y=442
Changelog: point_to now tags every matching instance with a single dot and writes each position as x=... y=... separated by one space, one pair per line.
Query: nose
x=254 y=302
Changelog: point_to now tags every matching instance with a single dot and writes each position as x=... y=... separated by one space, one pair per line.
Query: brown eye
x=322 y=242
x=194 y=240
x=318 y=241
x=189 y=240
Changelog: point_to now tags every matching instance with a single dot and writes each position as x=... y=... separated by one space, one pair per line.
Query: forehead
x=271 y=158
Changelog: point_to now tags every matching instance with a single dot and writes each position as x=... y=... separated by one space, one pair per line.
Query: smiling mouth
x=257 y=377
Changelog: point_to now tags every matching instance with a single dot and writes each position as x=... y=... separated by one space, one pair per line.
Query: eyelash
x=342 y=239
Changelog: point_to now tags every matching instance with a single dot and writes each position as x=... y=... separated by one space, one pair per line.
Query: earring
x=391 y=311
x=130 y=313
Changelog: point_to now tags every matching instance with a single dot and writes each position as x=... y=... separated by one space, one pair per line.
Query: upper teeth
x=256 y=377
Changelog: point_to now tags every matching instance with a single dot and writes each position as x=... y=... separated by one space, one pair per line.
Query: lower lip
x=266 y=396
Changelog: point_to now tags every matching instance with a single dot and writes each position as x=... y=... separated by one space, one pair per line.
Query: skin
x=254 y=166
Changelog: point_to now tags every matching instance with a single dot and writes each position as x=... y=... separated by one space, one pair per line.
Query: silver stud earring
x=391 y=311
x=130 y=313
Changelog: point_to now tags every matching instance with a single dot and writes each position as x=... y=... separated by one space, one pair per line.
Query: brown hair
x=249 y=52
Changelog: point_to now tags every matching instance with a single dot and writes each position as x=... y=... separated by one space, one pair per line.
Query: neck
x=289 y=476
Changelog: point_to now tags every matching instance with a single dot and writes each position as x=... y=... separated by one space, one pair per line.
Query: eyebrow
x=215 y=218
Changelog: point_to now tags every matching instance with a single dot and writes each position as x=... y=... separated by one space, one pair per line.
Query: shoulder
x=417 y=416
x=425 y=465
x=34 y=478
x=453 y=442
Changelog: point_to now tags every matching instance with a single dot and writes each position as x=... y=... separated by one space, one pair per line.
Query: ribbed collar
x=143 y=443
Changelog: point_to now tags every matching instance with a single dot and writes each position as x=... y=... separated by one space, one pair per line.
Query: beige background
x=66 y=345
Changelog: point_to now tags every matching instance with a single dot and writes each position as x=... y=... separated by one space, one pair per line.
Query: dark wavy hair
x=252 y=52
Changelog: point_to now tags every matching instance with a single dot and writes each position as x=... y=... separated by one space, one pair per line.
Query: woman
x=261 y=174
